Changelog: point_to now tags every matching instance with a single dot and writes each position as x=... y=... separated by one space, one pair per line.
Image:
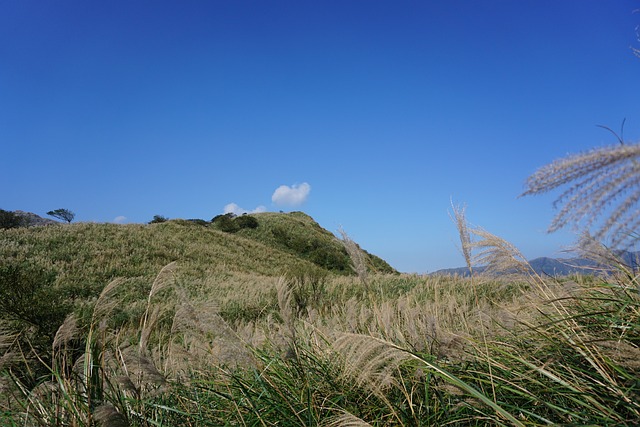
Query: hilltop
x=300 y=235
x=86 y=256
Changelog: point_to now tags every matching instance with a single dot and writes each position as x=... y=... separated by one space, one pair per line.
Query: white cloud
x=237 y=210
x=120 y=219
x=292 y=196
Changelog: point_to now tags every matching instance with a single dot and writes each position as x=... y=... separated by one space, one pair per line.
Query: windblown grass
x=209 y=342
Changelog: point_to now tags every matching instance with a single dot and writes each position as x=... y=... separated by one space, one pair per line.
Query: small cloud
x=292 y=196
x=237 y=210
x=120 y=219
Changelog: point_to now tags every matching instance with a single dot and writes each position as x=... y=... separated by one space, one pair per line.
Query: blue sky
x=367 y=115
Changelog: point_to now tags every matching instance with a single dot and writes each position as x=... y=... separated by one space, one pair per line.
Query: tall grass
x=205 y=343
x=429 y=351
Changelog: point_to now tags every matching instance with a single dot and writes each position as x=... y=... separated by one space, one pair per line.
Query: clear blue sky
x=373 y=114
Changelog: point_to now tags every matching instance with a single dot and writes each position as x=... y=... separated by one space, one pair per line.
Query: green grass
x=207 y=328
x=298 y=234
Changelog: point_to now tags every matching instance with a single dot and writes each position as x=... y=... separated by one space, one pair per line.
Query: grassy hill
x=260 y=324
x=300 y=235
x=92 y=253
x=243 y=265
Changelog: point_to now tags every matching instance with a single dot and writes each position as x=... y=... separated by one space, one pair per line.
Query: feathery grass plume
x=346 y=419
x=8 y=339
x=498 y=255
x=185 y=325
x=372 y=361
x=463 y=231
x=163 y=280
x=285 y=297
x=61 y=355
x=106 y=415
x=66 y=332
x=358 y=258
x=288 y=315
x=141 y=370
x=590 y=248
x=466 y=246
x=602 y=182
x=104 y=305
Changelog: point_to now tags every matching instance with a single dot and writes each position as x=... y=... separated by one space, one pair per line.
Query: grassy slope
x=96 y=253
x=401 y=350
x=87 y=256
x=299 y=234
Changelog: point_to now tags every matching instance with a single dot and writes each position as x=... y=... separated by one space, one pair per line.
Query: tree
x=158 y=219
x=63 y=214
x=9 y=219
x=246 y=221
x=225 y=223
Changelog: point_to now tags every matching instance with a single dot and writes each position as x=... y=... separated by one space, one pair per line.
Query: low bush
x=246 y=221
x=158 y=219
x=230 y=223
x=225 y=223
x=9 y=219
x=308 y=288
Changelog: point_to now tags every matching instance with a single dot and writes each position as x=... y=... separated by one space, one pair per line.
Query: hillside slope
x=299 y=234
x=86 y=256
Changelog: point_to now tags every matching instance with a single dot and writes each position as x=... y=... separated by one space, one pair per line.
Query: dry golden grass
x=392 y=348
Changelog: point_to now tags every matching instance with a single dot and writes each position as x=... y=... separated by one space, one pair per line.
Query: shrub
x=308 y=288
x=231 y=223
x=197 y=221
x=32 y=309
x=28 y=297
x=246 y=221
x=225 y=223
x=158 y=219
x=9 y=219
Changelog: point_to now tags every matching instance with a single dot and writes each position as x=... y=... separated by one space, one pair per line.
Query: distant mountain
x=556 y=266
x=32 y=219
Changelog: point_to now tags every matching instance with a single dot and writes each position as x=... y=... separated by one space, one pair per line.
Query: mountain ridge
x=554 y=267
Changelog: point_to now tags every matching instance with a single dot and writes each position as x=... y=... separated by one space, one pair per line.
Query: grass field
x=180 y=324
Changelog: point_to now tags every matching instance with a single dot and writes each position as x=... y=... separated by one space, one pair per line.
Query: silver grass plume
x=106 y=415
x=345 y=419
x=163 y=280
x=602 y=181
x=590 y=248
x=66 y=332
x=463 y=231
x=371 y=362
x=105 y=303
x=498 y=255
x=358 y=258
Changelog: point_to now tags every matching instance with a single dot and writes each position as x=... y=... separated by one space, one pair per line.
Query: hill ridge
x=553 y=267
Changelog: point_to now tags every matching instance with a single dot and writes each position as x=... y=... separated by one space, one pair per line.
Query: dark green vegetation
x=298 y=234
x=48 y=272
x=158 y=219
x=181 y=323
x=62 y=214
x=9 y=219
